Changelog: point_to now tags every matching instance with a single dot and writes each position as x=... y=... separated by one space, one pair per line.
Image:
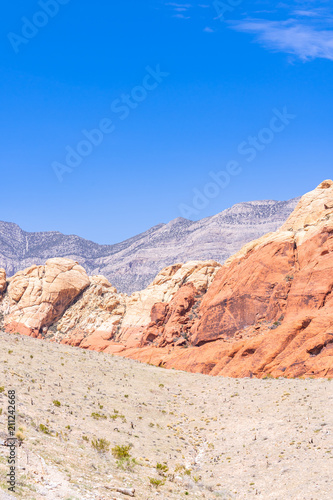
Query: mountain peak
x=132 y=264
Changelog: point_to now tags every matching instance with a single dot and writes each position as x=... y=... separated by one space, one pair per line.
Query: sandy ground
x=218 y=437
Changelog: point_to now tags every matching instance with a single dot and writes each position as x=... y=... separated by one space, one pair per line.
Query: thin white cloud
x=306 y=13
x=180 y=9
x=307 y=41
x=208 y=30
x=177 y=5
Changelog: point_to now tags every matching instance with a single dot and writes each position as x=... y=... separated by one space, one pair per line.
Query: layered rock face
x=266 y=311
x=269 y=308
x=105 y=320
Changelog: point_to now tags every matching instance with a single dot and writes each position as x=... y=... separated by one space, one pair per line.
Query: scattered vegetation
x=43 y=428
x=162 y=468
x=98 y=416
x=182 y=470
x=127 y=464
x=116 y=415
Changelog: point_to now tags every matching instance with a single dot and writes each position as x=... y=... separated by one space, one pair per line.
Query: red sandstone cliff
x=267 y=311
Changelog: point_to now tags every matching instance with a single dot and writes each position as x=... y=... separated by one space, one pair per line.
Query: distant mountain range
x=132 y=264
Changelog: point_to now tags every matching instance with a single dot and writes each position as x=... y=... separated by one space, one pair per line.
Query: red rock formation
x=269 y=309
x=267 y=312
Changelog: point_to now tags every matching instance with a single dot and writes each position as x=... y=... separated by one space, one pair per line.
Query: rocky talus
x=266 y=312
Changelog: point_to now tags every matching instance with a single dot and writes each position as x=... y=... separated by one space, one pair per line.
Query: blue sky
x=207 y=78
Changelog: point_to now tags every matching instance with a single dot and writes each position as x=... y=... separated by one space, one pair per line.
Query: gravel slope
x=220 y=438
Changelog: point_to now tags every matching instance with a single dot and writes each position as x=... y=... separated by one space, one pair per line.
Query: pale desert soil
x=237 y=439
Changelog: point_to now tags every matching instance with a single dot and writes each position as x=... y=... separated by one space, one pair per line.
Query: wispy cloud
x=181 y=16
x=179 y=7
x=209 y=30
x=182 y=10
x=301 y=40
x=305 y=33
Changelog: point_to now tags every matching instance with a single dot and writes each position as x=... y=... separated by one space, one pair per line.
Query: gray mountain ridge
x=132 y=264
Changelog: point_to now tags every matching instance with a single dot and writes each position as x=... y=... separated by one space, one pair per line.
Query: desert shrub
x=56 y=402
x=121 y=452
x=127 y=464
x=2 y=389
x=156 y=482
x=44 y=428
x=116 y=415
x=98 y=416
x=162 y=468
x=20 y=436
x=182 y=470
x=100 y=445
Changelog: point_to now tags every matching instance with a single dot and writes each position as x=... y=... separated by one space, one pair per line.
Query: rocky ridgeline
x=266 y=312
x=134 y=263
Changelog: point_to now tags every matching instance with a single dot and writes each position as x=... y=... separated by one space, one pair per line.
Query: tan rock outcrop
x=39 y=295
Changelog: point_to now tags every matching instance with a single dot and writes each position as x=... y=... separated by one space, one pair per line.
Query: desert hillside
x=213 y=437
x=266 y=312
